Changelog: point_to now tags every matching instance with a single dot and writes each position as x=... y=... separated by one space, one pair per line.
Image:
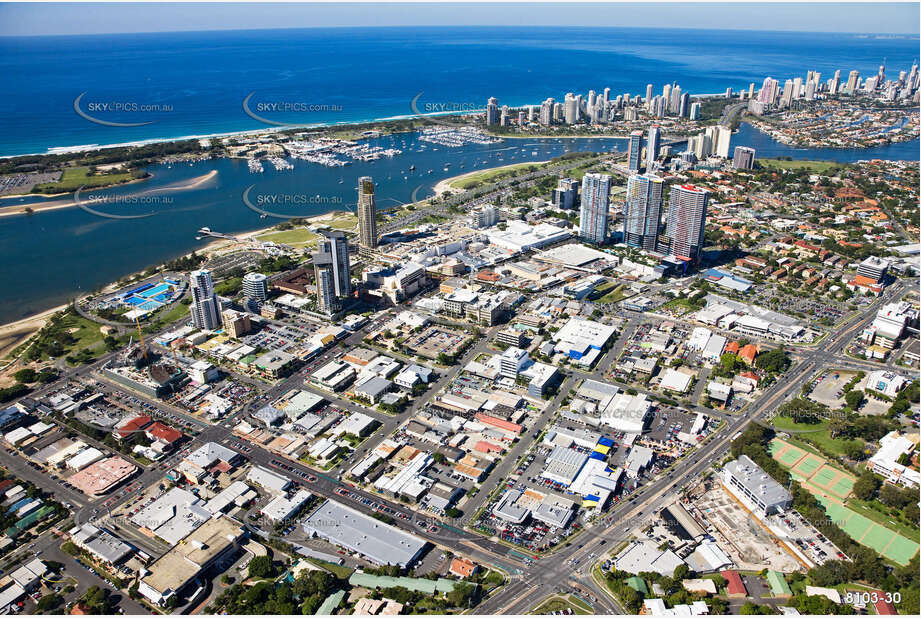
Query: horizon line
x=460 y=26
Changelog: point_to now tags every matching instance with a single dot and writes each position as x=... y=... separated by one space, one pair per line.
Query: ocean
x=195 y=83
x=355 y=74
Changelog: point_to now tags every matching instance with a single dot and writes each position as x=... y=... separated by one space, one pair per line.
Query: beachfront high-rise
x=634 y=148
x=642 y=209
x=652 y=147
x=687 y=215
x=593 y=215
x=492 y=111
x=331 y=269
x=367 y=214
x=853 y=81
x=205 y=308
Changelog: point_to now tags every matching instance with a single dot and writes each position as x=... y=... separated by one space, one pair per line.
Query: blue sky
x=90 y=18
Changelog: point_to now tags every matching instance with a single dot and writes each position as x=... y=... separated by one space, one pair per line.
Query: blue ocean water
x=200 y=79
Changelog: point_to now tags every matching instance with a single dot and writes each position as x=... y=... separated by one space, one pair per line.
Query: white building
x=886 y=460
x=624 y=412
x=754 y=487
x=887 y=383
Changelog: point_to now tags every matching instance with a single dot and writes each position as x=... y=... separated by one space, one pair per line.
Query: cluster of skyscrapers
x=683 y=237
x=598 y=108
x=712 y=141
x=332 y=271
x=635 y=149
x=773 y=95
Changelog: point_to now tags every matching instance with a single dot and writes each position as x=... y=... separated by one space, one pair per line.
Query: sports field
x=832 y=487
x=812 y=469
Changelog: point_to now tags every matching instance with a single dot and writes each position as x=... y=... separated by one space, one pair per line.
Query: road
x=565 y=569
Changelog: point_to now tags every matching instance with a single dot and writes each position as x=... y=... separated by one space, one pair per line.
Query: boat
x=412 y=167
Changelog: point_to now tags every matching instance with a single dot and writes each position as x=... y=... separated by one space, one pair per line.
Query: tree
x=13 y=392
x=773 y=361
x=753 y=609
x=46 y=375
x=25 y=376
x=681 y=572
x=892 y=496
x=854 y=449
x=854 y=398
x=49 y=602
x=866 y=485
x=261 y=566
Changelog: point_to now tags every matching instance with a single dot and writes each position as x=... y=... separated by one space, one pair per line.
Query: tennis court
x=813 y=470
x=832 y=487
x=868 y=533
x=808 y=465
x=785 y=453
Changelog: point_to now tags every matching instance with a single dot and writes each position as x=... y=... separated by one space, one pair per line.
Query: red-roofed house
x=135 y=425
x=732 y=347
x=734 y=585
x=163 y=433
x=462 y=567
x=750 y=375
x=748 y=353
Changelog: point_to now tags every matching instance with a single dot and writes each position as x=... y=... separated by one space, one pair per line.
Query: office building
x=754 y=488
x=593 y=215
x=634 y=149
x=872 y=269
x=184 y=562
x=487 y=216
x=367 y=214
x=566 y=194
x=894 y=447
x=652 y=147
x=642 y=211
x=205 y=307
x=331 y=270
x=255 y=287
x=743 y=158
x=687 y=215
x=236 y=323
